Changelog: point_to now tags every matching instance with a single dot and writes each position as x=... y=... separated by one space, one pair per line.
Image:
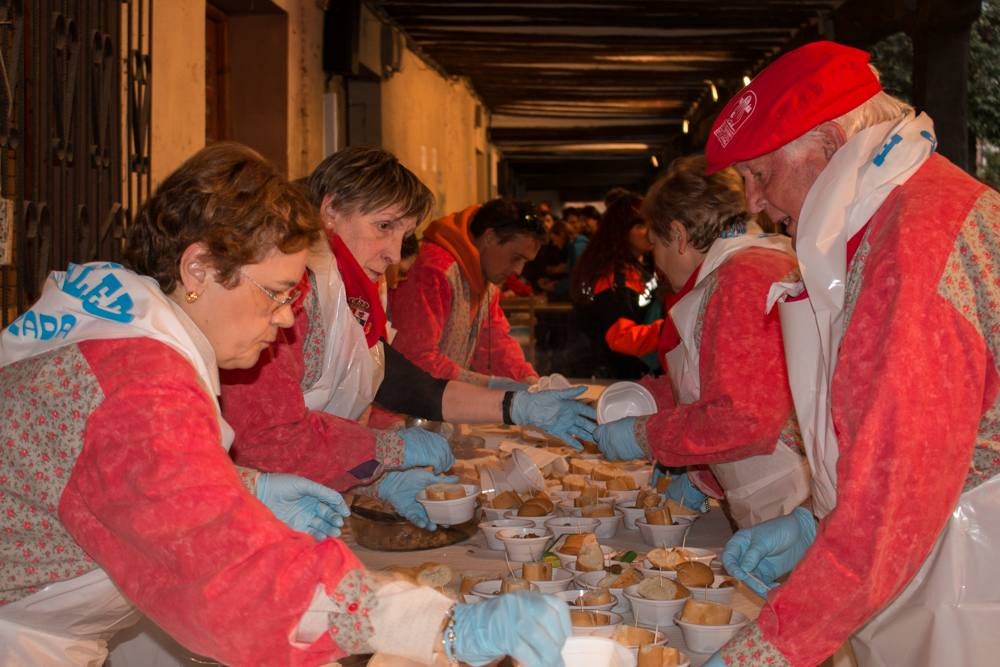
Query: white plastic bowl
x=494 y=514
x=521 y=549
x=630 y=514
x=653 y=613
x=614 y=620
x=596 y=652
x=709 y=638
x=624 y=497
x=662 y=536
x=536 y=521
x=706 y=556
x=451 y=512
x=522 y=474
x=561 y=580
x=608 y=525
x=562 y=525
x=589 y=580
x=486 y=589
x=713 y=593
x=569 y=508
x=569 y=560
x=491 y=528
x=570 y=596
x=624 y=399
x=660 y=640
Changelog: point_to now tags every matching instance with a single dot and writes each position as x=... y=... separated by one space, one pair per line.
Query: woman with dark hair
x=120 y=496
x=612 y=281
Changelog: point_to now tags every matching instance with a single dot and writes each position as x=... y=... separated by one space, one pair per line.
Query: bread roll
x=506 y=500
x=647 y=498
x=676 y=508
x=604 y=472
x=662 y=588
x=543 y=500
x=435 y=575
x=667 y=558
x=588 y=619
x=659 y=516
x=622 y=484
x=630 y=635
x=595 y=598
x=573 y=482
x=663 y=483
x=582 y=500
x=694 y=573
x=703 y=612
x=532 y=508
x=590 y=559
x=445 y=491
x=539 y=571
x=468 y=581
x=511 y=584
x=598 y=510
x=581 y=466
x=573 y=543
x=651 y=655
x=626 y=577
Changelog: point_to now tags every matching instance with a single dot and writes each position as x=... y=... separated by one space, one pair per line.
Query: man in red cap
x=892 y=336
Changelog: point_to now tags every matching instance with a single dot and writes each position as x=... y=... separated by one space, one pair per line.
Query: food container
x=523 y=549
x=451 y=512
x=709 y=638
x=660 y=640
x=589 y=580
x=491 y=528
x=487 y=589
x=604 y=630
x=630 y=514
x=624 y=399
x=571 y=596
x=653 y=613
x=561 y=580
x=560 y=526
x=662 y=536
x=536 y=521
x=714 y=593
x=595 y=652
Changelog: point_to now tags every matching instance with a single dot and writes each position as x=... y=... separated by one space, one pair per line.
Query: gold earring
x=191 y=297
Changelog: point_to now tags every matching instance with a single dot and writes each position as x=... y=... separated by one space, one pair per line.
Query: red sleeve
x=276 y=432
x=745 y=400
x=628 y=337
x=497 y=353
x=420 y=307
x=155 y=500
x=661 y=389
x=517 y=286
x=908 y=396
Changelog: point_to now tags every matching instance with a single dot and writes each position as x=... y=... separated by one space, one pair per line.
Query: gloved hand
x=659 y=472
x=507 y=384
x=770 y=549
x=302 y=504
x=529 y=627
x=616 y=440
x=681 y=490
x=400 y=488
x=715 y=661
x=557 y=412
x=426 y=448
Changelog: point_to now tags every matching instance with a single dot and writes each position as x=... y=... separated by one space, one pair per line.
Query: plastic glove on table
x=556 y=412
x=529 y=627
x=770 y=549
x=616 y=440
x=426 y=448
x=400 y=488
x=302 y=504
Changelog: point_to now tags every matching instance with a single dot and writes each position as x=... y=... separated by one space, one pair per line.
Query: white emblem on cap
x=745 y=105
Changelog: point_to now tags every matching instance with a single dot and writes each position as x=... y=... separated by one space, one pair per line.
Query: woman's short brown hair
x=231 y=199
x=366 y=179
x=705 y=205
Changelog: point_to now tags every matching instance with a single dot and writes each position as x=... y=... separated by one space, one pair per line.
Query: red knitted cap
x=798 y=91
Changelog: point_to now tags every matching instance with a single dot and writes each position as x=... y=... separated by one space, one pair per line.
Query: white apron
x=352 y=372
x=760 y=487
x=69 y=622
x=949 y=612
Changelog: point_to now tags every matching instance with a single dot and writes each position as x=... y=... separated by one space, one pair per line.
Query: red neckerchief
x=669 y=338
x=362 y=293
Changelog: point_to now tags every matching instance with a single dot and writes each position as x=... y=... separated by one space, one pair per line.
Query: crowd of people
x=178 y=432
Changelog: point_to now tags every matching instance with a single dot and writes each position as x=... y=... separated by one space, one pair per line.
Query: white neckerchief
x=104 y=301
x=848 y=192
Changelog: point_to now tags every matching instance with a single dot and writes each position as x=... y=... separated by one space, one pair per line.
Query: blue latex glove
x=426 y=448
x=400 y=488
x=659 y=472
x=681 y=490
x=770 y=549
x=507 y=384
x=616 y=440
x=715 y=661
x=302 y=504
x=556 y=412
x=529 y=627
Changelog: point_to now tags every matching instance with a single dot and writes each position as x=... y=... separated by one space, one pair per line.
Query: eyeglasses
x=281 y=298
x=527 y=221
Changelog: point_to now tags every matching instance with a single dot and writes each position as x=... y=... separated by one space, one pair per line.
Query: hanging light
x=714 y=90
x=685 y=126
x=746 y=80
x=655 y=161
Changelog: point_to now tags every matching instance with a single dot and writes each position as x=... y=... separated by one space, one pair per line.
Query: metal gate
x=75 y=108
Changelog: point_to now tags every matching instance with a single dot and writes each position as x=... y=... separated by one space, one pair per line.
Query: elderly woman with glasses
x=295 y=410
x=116 y=490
